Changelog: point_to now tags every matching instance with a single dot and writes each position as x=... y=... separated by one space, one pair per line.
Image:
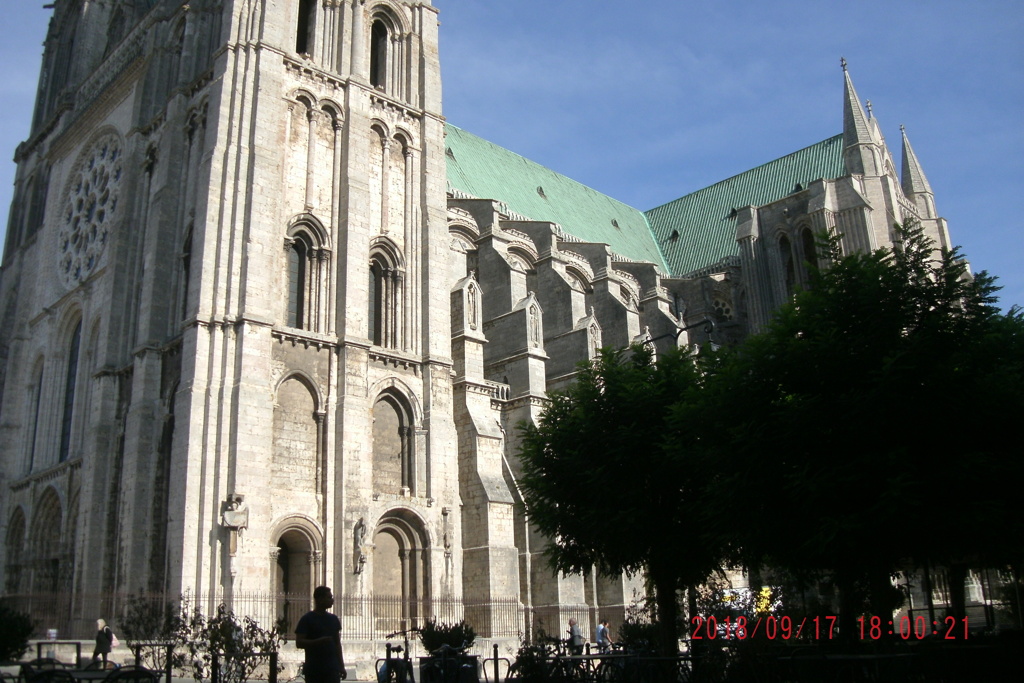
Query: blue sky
x=647 y=101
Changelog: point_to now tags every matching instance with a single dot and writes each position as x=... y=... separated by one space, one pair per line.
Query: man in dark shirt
x=319 y=634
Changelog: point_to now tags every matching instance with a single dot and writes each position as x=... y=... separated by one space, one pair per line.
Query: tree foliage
x=868 y=428
x=871 y=420
x=237 y=644
x=604 y=476
x=15 y=630
x=146 y=624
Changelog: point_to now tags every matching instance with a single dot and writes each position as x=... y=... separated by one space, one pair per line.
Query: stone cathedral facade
x=268 y=321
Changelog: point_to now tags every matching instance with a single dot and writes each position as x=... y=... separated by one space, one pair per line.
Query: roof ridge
x=743 y=173
x=540 y=165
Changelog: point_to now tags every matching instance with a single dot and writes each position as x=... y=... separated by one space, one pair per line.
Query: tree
x=15 y=630
x=868 y=423
x=613 y=486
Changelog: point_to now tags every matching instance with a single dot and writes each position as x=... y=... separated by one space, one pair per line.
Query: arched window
x=33 y=439
x=297 y=277
x=393 y=452
x=305 y=26
x=379 y=39
x=70 y=383
x=386 y=289
x=788 y=267
x=810 y=249
x=186 y=271
x=115 y=30
x=307 y=270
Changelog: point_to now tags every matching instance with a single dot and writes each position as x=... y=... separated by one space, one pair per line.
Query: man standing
x=319 y=634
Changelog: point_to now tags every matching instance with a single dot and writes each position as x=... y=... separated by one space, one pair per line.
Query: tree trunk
x=848 y=610
x=957 y=595
x=664 y=581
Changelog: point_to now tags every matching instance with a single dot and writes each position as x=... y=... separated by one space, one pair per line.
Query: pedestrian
x=104 y=640
x=603 y=639
x=319 y=634
x=575 y=638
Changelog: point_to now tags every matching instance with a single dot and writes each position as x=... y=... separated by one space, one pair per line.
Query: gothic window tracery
x=90 y=210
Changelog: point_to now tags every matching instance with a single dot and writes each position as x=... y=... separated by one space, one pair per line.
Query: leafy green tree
x=613 y=487
x=868 y=426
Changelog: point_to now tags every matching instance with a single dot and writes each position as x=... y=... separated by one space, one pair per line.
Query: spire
x=858 y=132
x=856 y=128
x=915 y=183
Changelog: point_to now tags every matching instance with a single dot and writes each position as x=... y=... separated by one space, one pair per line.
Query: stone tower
x=230 y=227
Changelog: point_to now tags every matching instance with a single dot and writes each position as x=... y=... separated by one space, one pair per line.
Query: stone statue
x=358 y=552
x=236 y=513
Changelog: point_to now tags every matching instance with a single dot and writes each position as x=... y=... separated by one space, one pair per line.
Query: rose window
x=91 y=208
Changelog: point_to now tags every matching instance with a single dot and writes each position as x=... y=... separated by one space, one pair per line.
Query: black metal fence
x=362 y=617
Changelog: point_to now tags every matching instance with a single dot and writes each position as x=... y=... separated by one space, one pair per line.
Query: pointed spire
x=914 y=180
x=915 y=183
x=862 y=140
x=856 y=129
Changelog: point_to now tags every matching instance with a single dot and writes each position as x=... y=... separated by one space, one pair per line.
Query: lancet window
x=305 y=26
x=386 y=298
x=70 y=386
x=307 y=268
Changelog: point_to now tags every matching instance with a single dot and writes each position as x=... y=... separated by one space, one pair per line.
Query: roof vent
x=732 y=214
x=615 y=224
x=798 y=187
x=449 y=153
x=674 y=236
x=540 y=191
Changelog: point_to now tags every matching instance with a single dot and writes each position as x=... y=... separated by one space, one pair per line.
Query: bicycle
x=391 y=670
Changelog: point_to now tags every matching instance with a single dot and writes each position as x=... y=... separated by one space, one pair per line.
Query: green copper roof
x=481 y=169
x=705 y=221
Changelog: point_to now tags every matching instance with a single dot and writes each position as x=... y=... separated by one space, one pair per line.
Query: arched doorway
x=296 y=570
x=49 y=572
x=401 y=577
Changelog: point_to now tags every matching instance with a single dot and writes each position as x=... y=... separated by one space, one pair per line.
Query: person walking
x=603 y=639
x=104 y=641
x=319 y=634
x=575 y=638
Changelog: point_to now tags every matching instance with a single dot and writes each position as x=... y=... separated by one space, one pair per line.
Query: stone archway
x=296 y=568
x=400 y=571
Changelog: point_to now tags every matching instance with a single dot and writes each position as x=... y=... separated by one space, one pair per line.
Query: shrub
x=151 y=621
x=15 y=630
x=232 y=640
x=434 y=634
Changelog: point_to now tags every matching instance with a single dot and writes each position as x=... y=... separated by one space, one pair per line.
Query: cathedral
x=269 y=321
